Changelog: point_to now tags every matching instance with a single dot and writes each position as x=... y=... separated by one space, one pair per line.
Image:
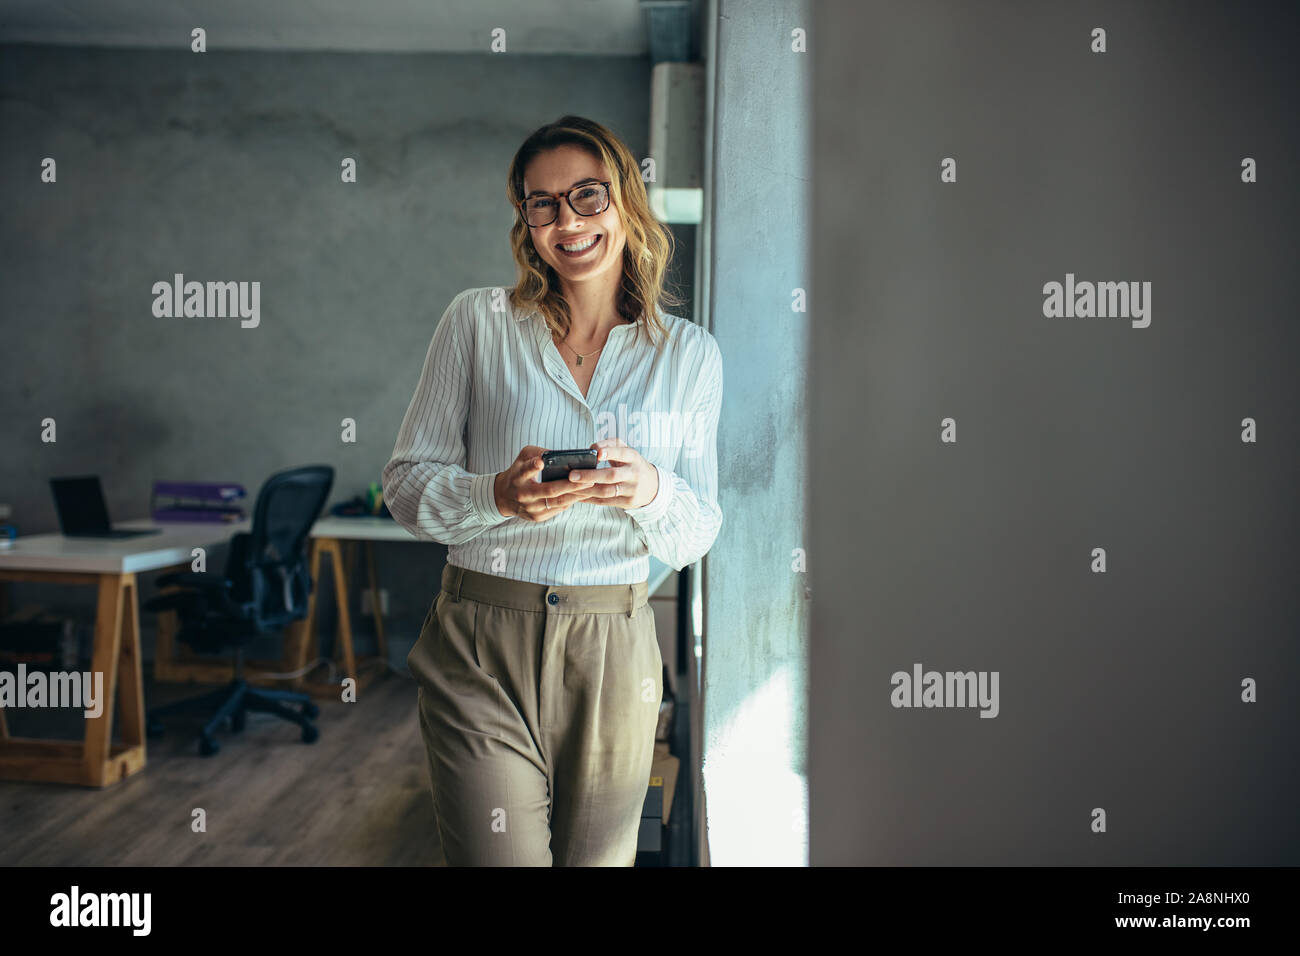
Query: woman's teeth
x=582 y=246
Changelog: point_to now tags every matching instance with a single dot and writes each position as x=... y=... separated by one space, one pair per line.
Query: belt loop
x=631 y=600
x=457 y=576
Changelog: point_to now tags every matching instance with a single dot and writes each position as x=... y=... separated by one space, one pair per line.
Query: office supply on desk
x=370 y=505
x=265 y=588
x=196 y=501
x=82 y=511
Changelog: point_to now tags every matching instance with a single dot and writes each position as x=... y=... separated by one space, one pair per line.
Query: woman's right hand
x=519 y=494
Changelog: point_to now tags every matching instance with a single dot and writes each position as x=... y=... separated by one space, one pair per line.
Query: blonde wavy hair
x=650 y=244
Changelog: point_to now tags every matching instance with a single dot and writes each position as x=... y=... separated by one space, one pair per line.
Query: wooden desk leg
x=130 y=695
x=341 y=599
x=376 y=607
x=104 y=660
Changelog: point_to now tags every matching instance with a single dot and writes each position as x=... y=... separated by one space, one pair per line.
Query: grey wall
x=1118 y=690
x=226 y=166
x=755 y=612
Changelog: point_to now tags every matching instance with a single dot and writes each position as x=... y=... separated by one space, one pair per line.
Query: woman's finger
x=542 y=508
x=535 y=491
x=603 y=476
x=615 y=449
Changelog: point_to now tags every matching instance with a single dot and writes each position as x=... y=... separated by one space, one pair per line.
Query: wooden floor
x=357 y=796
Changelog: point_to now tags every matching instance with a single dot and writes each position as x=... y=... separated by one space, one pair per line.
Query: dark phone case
x=557 y=464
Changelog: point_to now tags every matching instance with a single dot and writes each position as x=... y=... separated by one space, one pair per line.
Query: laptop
x=82 y=511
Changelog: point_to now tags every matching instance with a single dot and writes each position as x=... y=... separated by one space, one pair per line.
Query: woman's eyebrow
x=543 y=192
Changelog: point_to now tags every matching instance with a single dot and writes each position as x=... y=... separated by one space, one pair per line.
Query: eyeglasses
x=588 y=199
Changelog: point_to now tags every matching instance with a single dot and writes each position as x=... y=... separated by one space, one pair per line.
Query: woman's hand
x=519 y=494
x=630 y=482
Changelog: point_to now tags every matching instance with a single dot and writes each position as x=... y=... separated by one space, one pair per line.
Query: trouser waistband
x=550 y=598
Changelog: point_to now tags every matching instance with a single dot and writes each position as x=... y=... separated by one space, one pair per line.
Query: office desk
x=328 y=536
x=301 y=642
x=110 y=566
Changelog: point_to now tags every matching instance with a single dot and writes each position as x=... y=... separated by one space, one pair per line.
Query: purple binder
x=197 y=501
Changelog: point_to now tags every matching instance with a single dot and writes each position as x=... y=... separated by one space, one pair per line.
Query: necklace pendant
x=579 y=359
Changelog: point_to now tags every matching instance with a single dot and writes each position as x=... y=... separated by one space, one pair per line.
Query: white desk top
x=148 y=552
x=361 y=528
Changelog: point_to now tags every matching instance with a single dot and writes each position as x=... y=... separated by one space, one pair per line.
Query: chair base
x=232 y=703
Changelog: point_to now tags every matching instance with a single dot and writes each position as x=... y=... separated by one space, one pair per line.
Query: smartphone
x=557 y=464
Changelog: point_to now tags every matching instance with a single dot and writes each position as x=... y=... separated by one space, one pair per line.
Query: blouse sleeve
x=426 y=485
x=681 y=522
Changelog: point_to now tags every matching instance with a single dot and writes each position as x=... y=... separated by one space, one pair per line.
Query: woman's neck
x=593 y=310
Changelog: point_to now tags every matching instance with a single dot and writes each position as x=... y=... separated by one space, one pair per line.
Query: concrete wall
x=226 y=166
x=1119 y=690
x=755 y=611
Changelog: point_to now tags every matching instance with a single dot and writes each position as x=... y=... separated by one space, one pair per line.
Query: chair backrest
x=269 y=568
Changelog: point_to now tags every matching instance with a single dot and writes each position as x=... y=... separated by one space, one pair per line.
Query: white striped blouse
x=494 y=381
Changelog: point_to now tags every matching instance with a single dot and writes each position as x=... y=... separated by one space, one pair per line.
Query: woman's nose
x=567 y=217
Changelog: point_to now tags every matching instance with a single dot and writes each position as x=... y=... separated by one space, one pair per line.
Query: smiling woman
x=539 y=668
x=575 y=182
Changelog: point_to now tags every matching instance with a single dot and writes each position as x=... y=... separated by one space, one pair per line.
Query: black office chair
x=264 y=588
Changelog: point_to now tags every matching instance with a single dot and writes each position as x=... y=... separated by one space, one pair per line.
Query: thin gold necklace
x=580 y=355
x=577 y=353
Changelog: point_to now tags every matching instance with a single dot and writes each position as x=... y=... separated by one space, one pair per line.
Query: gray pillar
x=755 y=609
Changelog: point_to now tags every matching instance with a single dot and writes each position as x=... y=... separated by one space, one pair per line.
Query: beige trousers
x=538 y=707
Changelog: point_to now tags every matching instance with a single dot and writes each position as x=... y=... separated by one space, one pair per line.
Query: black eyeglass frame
x=567 y=197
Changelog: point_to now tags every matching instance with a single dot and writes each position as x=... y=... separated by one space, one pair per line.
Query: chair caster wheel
x=208 y=746
x=153 y=727
x=309 y=709
x=309 y=735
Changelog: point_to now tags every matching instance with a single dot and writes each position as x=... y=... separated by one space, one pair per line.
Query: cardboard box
x=658 y=800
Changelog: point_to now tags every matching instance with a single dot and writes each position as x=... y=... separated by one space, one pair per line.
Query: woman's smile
x=577 y=248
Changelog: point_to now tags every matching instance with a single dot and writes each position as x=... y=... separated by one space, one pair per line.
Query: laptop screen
x=80 y=503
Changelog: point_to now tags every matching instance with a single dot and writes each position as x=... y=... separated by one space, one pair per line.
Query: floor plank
x=358 y=796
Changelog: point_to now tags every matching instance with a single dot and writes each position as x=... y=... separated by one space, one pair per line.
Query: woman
x=538 y=667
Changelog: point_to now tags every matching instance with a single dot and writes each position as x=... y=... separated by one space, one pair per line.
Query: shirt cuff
x=483 y=501
x=651 y=512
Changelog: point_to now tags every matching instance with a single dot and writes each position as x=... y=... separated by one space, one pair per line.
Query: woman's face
x=557 y=171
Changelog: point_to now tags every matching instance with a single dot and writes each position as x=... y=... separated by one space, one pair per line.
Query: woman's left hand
x=629 y=482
